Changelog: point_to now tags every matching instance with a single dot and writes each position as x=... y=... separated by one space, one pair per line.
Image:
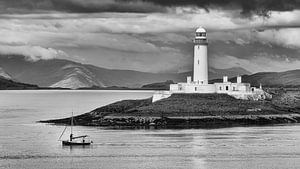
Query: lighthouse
x=200 y=85
x=200 y=57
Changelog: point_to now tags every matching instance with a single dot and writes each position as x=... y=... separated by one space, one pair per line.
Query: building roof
x=200 y=29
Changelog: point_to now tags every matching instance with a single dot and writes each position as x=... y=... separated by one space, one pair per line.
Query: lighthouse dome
x=201 y=30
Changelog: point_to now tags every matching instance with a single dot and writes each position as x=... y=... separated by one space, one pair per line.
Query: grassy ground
x=205 y=105
x=288 y=99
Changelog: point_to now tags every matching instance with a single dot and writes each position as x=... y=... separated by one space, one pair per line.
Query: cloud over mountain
x=32 y=53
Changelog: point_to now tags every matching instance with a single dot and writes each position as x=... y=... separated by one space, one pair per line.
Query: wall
x=160 y=95
x=192 y=88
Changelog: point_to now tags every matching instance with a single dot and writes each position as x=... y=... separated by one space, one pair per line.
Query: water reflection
x=198 y=148
x=77 y=148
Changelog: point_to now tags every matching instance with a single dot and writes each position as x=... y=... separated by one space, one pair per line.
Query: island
x=198 y=103
x=194 y=111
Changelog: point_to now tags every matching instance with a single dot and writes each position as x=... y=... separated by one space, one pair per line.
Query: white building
x=200 y=84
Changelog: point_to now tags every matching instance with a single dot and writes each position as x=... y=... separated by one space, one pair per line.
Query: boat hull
x=69 y=143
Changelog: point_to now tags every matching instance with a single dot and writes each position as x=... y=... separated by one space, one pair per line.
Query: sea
x=27 y=144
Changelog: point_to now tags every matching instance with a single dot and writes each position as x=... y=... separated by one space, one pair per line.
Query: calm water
x=27 y=144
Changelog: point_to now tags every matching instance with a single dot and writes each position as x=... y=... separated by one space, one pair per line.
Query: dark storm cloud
x=247 y=7
x=77 y=6
x=91 y=6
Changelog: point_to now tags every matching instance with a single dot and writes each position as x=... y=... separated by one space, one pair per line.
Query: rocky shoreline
x=193 y=111
x=190 y=122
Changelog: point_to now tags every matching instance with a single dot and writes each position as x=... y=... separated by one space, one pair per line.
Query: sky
x=154 y=35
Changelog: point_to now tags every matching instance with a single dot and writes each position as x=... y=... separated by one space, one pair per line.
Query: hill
x=159 y=86
x=7 y=84
x=275 y=79
x=69 y=74
x=271 y=79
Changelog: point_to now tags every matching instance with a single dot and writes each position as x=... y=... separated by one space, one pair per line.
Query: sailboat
x=78 y=140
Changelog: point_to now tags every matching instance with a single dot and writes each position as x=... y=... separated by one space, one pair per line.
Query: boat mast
x=72 y=124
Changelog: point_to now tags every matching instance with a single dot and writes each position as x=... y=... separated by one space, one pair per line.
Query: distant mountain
x=7 y=84
x=274 y=79
x=231 y=72
x=69 y=74
x=159 y=85
x=48 y=73
x=270 y=79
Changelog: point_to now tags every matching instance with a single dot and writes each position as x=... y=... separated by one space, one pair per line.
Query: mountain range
x=70 y=74
x=59 y=73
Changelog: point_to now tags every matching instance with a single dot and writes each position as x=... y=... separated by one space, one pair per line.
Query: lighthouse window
x=200 y=34
x=198 y=62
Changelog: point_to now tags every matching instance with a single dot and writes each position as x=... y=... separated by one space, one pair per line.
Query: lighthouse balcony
x=200 y=41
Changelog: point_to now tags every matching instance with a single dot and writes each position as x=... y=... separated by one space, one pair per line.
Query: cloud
x=31 y=53
x=215 y=20
x=155 y=41
x=289 y=37
x=118 y=23
x=162 y=61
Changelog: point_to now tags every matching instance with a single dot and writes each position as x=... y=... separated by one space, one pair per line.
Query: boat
x=76 y=141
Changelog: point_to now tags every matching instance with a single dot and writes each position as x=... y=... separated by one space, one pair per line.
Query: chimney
x=239 y=79
x=189 y=79
x=260 y=86
x=225 y=79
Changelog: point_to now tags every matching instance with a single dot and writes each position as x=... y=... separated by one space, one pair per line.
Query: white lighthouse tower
x=200 y=57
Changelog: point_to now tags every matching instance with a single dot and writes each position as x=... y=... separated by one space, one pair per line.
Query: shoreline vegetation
x=194 y=111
